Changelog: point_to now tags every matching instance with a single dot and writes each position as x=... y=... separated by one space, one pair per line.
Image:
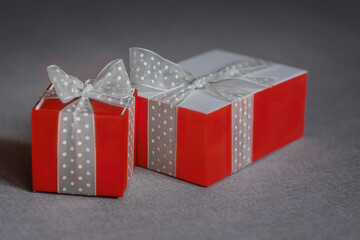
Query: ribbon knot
x=87 y=89
x=198 y=83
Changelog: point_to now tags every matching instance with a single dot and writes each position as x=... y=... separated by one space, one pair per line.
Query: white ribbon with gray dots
x=76 y=127
x=151 y=70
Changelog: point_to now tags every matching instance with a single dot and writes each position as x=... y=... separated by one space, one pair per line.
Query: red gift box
x=114 y=144
x=211 y=141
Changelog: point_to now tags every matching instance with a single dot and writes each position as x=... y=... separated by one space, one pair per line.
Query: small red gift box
x=202 y=129
x=73 y=155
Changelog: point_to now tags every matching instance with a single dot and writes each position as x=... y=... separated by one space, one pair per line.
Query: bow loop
x=150 y=69
x=113 y=80
x=66 y=86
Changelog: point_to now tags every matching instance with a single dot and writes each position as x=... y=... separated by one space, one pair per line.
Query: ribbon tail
x=226 y=93
x=263 y=81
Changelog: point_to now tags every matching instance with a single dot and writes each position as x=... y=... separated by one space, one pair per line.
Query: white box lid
x=210 y=62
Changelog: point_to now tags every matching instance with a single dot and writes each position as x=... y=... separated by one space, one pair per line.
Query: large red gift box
x=114 y=127
x=206 y=135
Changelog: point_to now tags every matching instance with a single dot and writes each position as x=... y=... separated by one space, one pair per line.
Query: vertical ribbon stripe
x=162 y=122
x=131 y=138
x=242 y=123
x=76 y=149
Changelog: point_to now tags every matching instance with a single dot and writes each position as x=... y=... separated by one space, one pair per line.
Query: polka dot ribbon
x=151 y=70
x=76 y=127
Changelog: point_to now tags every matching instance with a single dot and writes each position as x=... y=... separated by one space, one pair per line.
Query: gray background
x=307 y=190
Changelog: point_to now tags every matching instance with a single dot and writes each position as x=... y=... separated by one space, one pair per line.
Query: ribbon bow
x=152 y=70
x=111 y=86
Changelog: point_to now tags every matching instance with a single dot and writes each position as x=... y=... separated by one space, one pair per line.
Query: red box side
x=218 y=148
x=111 y=135
x=44 y=132
x=279 y=114
x=141 y=131
x=191 y=146
x=111 y=131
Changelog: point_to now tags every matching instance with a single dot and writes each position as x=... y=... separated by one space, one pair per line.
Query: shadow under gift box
x=111 y=143
x=204 y=124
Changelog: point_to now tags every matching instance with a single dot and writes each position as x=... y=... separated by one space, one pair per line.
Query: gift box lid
x=212 y=61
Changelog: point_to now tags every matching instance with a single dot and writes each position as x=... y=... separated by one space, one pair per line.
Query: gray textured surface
x=307 y=190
